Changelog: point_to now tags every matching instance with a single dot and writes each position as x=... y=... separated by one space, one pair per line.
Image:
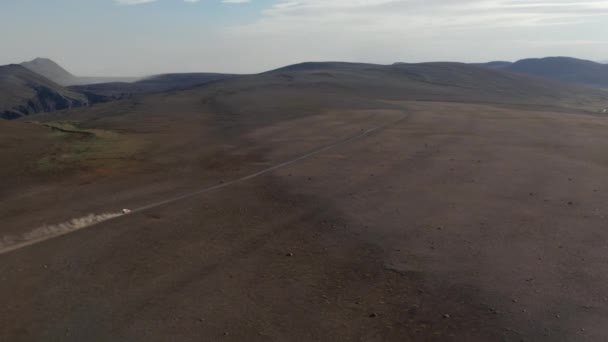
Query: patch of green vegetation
x=78 y=148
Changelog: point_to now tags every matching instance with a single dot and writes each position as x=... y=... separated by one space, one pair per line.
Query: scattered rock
x=446 y=316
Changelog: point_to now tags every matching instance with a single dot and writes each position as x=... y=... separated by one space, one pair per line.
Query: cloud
x=403 y=15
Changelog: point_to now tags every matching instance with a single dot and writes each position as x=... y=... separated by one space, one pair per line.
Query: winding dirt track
x=54 y=231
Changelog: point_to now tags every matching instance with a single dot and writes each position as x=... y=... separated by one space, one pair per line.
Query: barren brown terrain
x=282 y=213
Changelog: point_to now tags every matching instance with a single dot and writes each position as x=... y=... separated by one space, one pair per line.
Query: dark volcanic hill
x=24 y=92
x=565 y=69
x=50 y=70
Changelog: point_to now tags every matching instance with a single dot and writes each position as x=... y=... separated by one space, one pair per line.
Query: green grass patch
x=77 y=148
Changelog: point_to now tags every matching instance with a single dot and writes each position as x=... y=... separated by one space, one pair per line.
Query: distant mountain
x=59 y=75
x=496 y=65
x=565 y=69
x=24 y=92
x=50 y=70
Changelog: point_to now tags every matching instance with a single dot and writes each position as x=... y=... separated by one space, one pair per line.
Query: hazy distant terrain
x=152 y=84
x=496 y=65
x=37 y=86
x=565 y=69
x=59 y=75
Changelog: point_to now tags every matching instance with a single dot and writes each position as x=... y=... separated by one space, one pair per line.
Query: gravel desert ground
x=461 y=221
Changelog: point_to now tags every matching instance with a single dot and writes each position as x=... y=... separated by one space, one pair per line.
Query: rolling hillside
x=153 y=84
x=496 y=65
x=305 y=84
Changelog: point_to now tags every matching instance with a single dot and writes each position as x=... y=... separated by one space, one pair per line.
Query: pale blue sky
x=112 y=37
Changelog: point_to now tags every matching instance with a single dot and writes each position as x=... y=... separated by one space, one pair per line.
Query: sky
x=143 y=37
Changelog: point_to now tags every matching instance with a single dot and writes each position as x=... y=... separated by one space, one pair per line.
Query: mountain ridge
x=565 y=69
x=24 y=92
x=56 y=73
